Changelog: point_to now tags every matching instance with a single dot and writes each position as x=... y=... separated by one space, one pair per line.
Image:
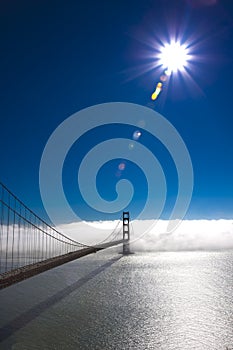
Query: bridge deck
x=22 y=273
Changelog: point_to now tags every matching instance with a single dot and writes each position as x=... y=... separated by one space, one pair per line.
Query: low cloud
x=146 y=235
x=190 y=234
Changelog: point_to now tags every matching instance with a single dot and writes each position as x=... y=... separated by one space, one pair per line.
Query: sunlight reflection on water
x=179 y=300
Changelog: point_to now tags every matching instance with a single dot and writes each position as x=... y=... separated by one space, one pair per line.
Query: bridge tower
x=126 y=233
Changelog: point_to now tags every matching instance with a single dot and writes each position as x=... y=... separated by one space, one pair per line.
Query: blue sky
x=58 y=57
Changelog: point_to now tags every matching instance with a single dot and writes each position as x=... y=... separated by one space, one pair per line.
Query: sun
x=173 y=57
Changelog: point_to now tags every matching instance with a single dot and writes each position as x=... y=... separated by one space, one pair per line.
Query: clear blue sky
x=58 y=57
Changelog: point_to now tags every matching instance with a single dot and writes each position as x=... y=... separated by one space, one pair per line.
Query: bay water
x=160 y=300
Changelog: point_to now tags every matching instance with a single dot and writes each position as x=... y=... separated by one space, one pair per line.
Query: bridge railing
x=25 y=238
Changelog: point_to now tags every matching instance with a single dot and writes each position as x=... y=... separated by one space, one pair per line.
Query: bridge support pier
x=126 y=233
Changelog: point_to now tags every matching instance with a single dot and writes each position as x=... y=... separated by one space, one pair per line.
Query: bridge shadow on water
x=28 y=316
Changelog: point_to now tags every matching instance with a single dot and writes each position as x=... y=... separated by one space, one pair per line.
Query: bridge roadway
x=24 y=272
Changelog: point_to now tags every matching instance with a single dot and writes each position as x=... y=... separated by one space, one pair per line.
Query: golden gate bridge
x=29 y=245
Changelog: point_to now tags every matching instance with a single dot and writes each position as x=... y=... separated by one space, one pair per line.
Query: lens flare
x=157 y=91
x=136 y=135
x=121 y=166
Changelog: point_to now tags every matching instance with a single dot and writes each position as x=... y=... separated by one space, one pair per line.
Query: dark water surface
x=177 y=300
